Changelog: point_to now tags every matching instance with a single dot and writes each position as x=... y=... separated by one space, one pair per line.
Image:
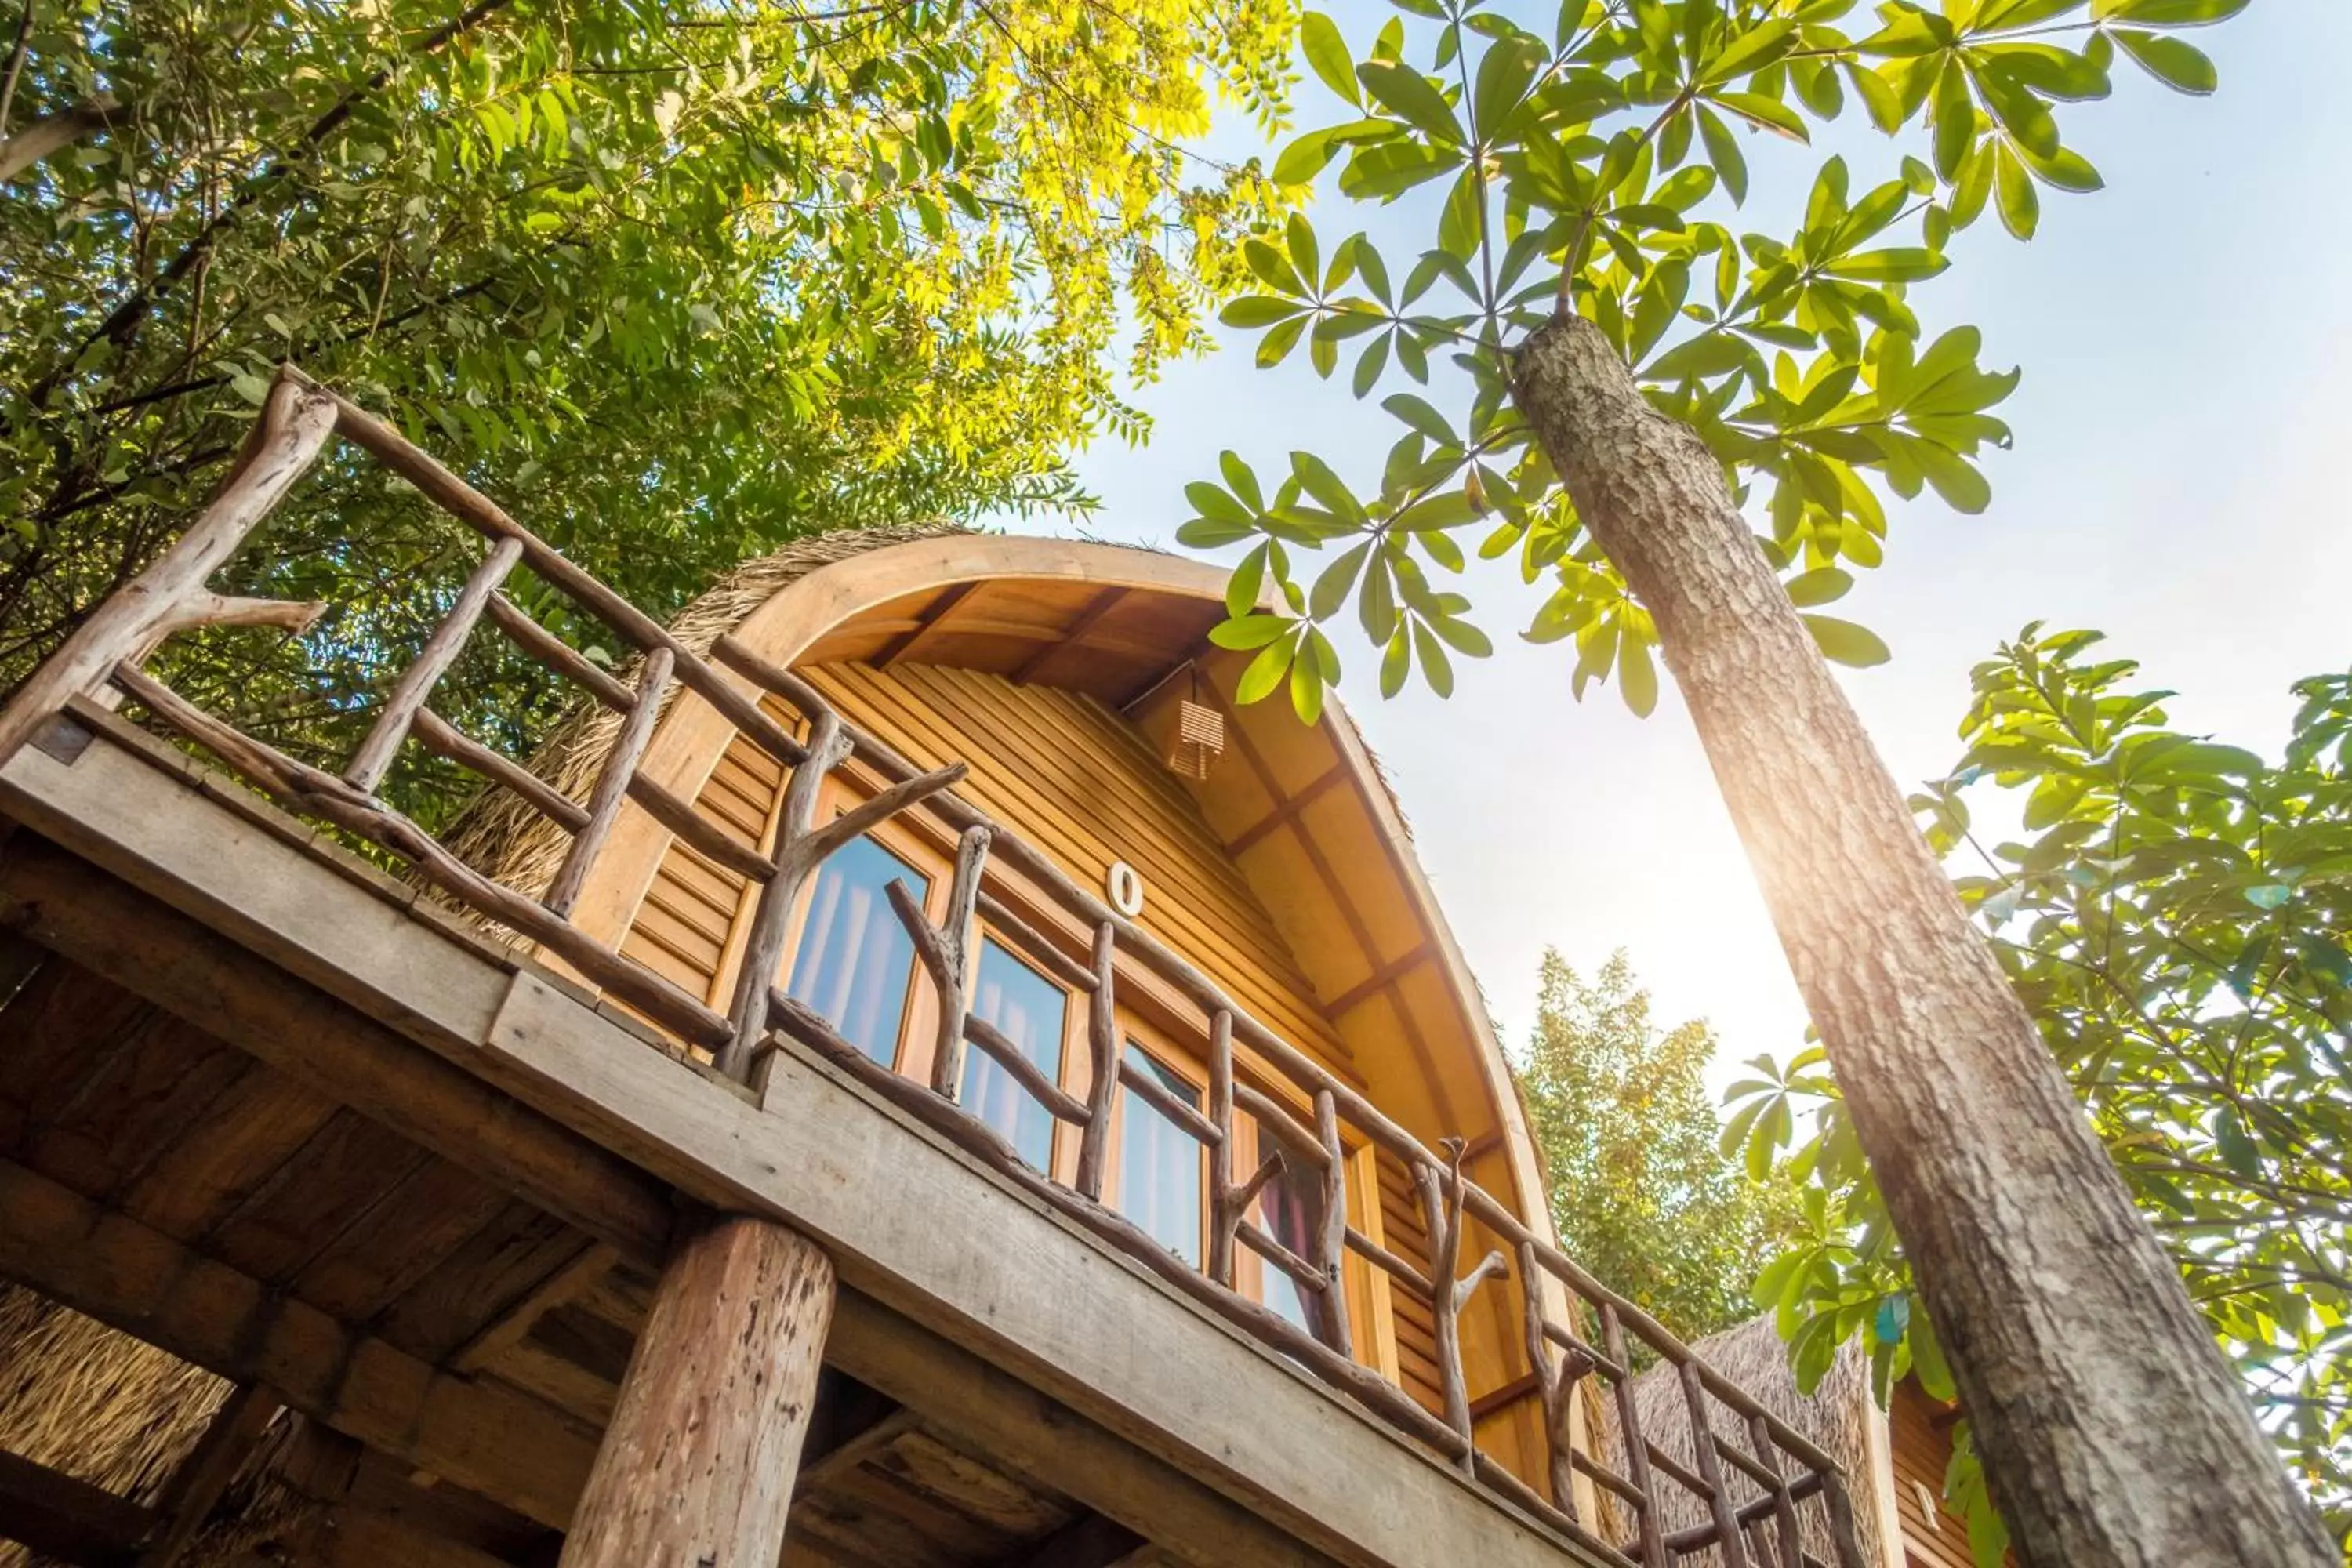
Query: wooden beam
x=926 y=622
x=509 y=1327
x=1092 y=1542
x=1101 y=605
x=65 y=1519
x=698 y=1465
x=990 y=1412
x=229 y=1441
x=59 y=900
x=1285 y=810
x=1379 y=980
x=502 y=1443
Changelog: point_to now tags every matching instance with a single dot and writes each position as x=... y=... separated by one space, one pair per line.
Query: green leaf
x=1899 y=265
x=1955 y=121
x=1843 y=642
x=1503 y=78
x=1637 y=677
x=1265 y=672
x=1259 y=311
x=1435 y=668
x=1418 y=415
x=1306 y=691
x=1328 y=56
x=1750 y=51
x=1243 y=482
x=2168 y=13
x=1331 y=585
x=1818 y=586
x=1408 y=94
x=1769 y=112
x=2180 y=67
x=1250 y=631
x=1723 y=152
x=2068 y=171
x=1242 y=588
x=1275 y=347
x=2020 y=208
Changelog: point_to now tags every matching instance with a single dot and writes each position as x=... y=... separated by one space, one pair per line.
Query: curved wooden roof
x=1304 y=813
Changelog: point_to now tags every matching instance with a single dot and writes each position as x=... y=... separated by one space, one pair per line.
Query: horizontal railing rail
x=1576 y=1332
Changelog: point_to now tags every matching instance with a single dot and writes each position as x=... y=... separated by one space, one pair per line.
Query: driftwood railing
x=1575 y=1330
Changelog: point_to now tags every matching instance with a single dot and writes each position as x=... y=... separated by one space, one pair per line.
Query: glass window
x=1287 y=1207
x=1029 y=1010
x=856 y=960
x=1160 y=1176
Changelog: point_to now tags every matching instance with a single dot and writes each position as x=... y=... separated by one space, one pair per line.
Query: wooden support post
x=1637 y=1449
x=375 y=756
x=1331 y=1230
x=697 y=1465
x=1710 y=1469
x=1102 y=1050
x=295 y=424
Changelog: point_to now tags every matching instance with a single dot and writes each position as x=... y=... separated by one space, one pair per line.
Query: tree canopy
x=1601 y=164
x=1627 y=1134
x=678 y=281
x=2177 y=913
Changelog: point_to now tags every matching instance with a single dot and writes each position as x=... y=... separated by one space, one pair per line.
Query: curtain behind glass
x=1029 y=1010
x=1287 y=1208
x=855 y=959
x=1160 y=1176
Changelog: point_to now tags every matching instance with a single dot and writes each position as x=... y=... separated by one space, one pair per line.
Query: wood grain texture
x=697 y=1468
x=2108 y=1420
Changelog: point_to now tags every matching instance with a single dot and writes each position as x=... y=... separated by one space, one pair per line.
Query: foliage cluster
x=2177 y=915
x=1599 y=166
x=1627 y=1133
x=680 y=281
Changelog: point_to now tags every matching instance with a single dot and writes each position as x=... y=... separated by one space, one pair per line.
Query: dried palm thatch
x=500 y=835
x=1839 y=1416
x=116 y=1412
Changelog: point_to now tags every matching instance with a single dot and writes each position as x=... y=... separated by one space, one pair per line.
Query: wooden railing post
x=1637 y=1449
x=294 y=426
x=1784 y=1506
x=1442 y=1211
x=696 y=1466
x=1710 y=1469
x=1556 y=1385
x=612 y=783
x=947 y=954
x=1102 y=1051
x=1330 y=1249
x=374 y=758
x=763 y=948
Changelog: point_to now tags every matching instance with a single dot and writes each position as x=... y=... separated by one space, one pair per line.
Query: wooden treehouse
x=914 y=1077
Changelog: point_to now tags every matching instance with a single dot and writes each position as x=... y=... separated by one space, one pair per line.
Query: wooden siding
x=1084 y=784
x=1920 y=1436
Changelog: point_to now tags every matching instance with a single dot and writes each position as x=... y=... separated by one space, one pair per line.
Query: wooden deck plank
x=161 y=956
x=346 y=1170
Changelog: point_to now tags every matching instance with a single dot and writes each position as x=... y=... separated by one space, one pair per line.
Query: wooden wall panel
x=1932 y=1536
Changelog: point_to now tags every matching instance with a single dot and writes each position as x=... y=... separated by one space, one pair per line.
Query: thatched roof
x=1838 y=1415
x=502 y=836
x=116 y=1412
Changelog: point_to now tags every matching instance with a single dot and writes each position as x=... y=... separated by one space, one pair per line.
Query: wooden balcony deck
x=279 y=1114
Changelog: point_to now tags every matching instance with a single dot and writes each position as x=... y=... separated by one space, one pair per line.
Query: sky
x=2178 y=480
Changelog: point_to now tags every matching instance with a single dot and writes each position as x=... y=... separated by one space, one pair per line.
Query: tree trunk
x=697 y=1468
x=2112 y=1430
